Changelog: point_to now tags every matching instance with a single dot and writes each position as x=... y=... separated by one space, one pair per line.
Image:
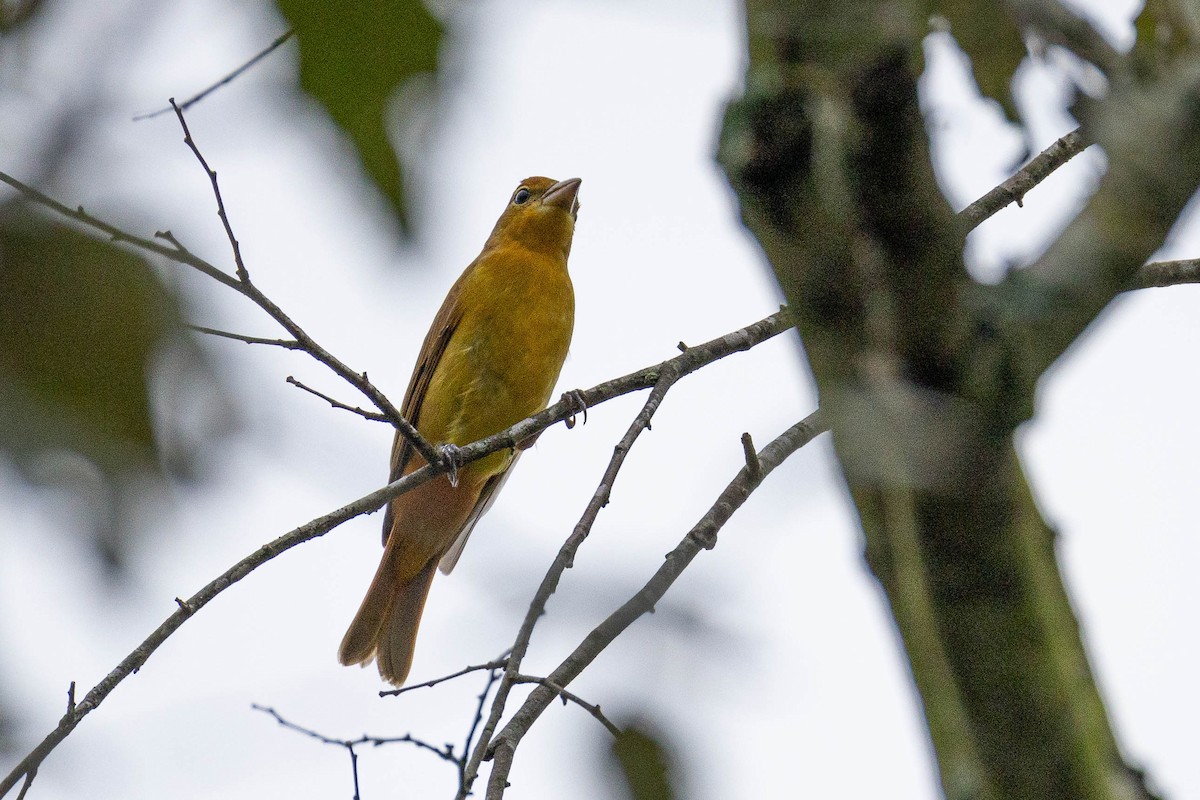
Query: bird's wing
x=486 y=498
x=444 y=325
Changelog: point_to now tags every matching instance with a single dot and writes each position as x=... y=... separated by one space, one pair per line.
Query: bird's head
x=540 y=215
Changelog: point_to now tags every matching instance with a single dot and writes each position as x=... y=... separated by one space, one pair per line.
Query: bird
x=490 y=359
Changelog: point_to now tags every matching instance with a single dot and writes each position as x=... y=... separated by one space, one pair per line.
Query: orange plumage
x=490 y=359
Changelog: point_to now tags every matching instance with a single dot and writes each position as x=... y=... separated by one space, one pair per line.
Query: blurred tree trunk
x=924 y=375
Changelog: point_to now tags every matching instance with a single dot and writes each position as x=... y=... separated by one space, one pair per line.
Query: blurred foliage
x=83 y=324
x=987 y=33
x=644 y=762
x=1163 y=32
x=354 y=57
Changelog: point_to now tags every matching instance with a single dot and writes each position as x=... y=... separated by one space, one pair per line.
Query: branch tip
x=752 y=462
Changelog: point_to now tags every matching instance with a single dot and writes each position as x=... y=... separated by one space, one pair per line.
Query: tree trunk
x=924 y=375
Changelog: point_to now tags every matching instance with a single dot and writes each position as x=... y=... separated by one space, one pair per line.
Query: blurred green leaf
x=80 y=324
x=1163 y=32
x=353 y=59
x=644 y=763
x=989 y=36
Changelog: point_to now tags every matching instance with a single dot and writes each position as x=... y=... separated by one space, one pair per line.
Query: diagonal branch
x=245 y=286
x=374 y=417
x=179 y=253
x=240 y=265
x=702 y=536
x=191 y=101
x=1016 y=187
x=686 y=363
x=563 y=561
x=592 y=709
x=664 y=380
x=1151 y=135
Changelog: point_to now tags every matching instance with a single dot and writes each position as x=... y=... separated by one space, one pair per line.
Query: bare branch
x=446 y=752
x=489 y=666
x=493 y=676
x=247 y=287
x=240 y=265
x=180 y=254
x=115 y=234
x=703 y=535
x=684 y=364
x=594 y=710
x=371 y=415
x=1160 y=274
x=137 y=659
x=661 y=377
x=29 y=776
x=665 y=379
x=1015 y=188
x=191 y=101
x=751 y=455
x=1151 y=135
x=286 y=344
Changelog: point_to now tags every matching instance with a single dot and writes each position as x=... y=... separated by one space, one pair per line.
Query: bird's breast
x=505 y=357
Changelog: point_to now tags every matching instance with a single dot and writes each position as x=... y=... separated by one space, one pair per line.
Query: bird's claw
x=452 y=459
x=576 y=398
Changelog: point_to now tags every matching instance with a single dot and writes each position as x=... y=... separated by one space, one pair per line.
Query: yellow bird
x=490 y=359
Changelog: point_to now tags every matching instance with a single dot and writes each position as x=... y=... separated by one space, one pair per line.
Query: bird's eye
x=521 y=197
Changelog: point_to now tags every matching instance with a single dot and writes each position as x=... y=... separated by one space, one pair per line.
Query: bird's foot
x=575 y=397
x=452 y=459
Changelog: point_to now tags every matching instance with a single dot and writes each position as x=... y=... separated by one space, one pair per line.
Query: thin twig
x=286 y=344
x=493 y=676
x=186 y=609
x=446 y=752
x=1015 y=188
x=180 y=254
x=703 y=535
x=191 y=101
x=115 y=234
x=489 y=666
x=240 y=266
x=371 y=415
x=565 y=558
x=687 y=363
x=661 y=377
x=244 y=285
x=594 y=710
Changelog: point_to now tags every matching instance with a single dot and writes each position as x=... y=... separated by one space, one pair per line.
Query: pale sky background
x=772 y=667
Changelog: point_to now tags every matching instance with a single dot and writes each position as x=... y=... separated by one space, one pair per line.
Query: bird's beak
x=562 y=194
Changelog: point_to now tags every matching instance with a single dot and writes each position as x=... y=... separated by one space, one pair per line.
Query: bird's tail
x=385 y=627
